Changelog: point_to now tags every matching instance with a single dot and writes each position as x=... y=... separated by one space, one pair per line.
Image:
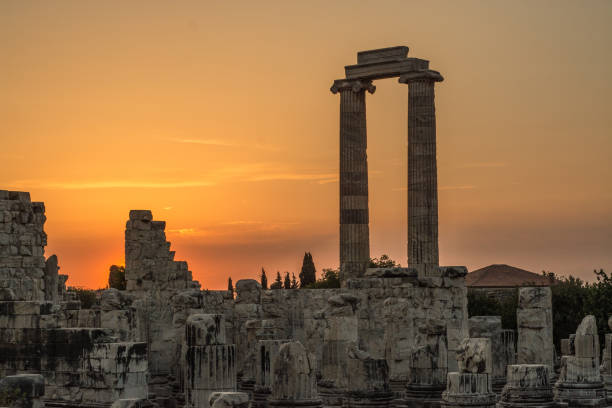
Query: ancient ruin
x=388 y=337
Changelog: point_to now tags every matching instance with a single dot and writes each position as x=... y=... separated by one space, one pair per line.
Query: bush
x=87 y=297
x=116 y=277
x=479 y=304
x=329 y=280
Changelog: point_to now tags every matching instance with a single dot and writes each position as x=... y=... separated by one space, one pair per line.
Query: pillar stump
x=528 y=385
x=267 y=350
x=210 y=364
x=294 y=381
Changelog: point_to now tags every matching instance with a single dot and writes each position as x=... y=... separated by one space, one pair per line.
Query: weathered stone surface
x=474 y=356
x=294 y=377
x=527 y=385
x=229 y=400
x=468 y=389
x=248 y=291
x=205 y=330
x=534 y=320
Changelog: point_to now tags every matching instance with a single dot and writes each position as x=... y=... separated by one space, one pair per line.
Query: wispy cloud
x=167 y=208
x=481 y=165
x=182 y=231
x=89 y=185
x=223 y=143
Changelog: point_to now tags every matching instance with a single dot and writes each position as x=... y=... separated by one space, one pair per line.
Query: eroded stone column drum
x=422 y=176
x=354 y=214
x=209 y=369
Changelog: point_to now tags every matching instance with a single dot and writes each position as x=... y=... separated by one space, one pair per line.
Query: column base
x=423 y=396
x=580 y=395
x=332 y=397
x=295 y=403
x=260 y=397
x=369 y=400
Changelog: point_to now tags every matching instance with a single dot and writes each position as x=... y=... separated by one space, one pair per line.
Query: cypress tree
x=278 y=282
x=287 y=284
x=230 y=286
x=264 y=279
x=308 y=274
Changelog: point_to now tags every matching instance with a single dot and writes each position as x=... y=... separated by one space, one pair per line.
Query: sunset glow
x=218 y=118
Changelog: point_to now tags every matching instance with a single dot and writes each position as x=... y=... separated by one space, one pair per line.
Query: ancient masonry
x=389 y=337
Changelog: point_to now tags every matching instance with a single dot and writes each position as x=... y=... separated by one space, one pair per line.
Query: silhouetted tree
x=278 y=282
x=308 y=274
x=294 y=282
x=116 y=277
x=287 y=283
x=230 y=285
x=383 y=262
x=264 y=279
x=329 y=280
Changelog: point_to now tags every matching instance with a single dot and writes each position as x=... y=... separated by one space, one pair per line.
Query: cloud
x=481 y=165
x=182 y=231
x=89 y=185
x=222 y=143
x=167 y=208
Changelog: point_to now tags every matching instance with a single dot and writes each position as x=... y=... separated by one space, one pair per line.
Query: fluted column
x=422 y=171
x=354 y=217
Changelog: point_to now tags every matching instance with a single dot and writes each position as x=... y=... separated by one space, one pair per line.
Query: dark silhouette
x=278 y=282
x=383 y=262
x=230 y=285
x=287 y=284
x=264 y=279
x=308 y=275
x=116 y=277
x=294 y=282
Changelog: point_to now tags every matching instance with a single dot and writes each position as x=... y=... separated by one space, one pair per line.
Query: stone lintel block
x=141 y=215
x=158 y=225
x=385 y=69
x=382 y=54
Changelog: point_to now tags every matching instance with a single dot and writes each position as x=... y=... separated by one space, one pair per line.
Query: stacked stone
x=267 y=350
x=22 y=391
x=210 y=363
x=471 y=386
x=354 y=213
x=528 y=385
x=422 y=172
x=535 y=331
x=89 y=366
x=580 y=383
x=607 y=363
x=22 y=247
x=490 y=327
x=340 y=335
x=294 y=378
x=399 y=341
x=428 y=364
x=149 y=263
x=368 y=381
x=509 y=348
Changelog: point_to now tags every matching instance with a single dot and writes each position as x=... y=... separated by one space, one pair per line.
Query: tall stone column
x=354 y=217
x=422 y=171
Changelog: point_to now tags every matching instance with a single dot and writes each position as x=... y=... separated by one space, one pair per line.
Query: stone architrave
x=471 y=385
x=354 y=213
x=528 y=385
x=209 y=363
x=422 y=172
x=535 y=331
x=580 y=382
x=294 y=381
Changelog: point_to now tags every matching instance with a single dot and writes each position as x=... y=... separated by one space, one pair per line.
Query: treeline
x=572 y=300
x=330 y=278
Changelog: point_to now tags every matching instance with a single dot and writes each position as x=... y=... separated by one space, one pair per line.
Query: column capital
x=355 y=85
x=426 y=75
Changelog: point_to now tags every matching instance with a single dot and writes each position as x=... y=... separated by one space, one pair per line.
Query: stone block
x=141 y=215
x=28 y=385
x=205 y=329
x=229 y=400
x=535 y=297
x=579 y=370
x=474 y=356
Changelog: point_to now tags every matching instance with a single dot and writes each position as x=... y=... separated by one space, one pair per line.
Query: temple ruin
x=388 y=337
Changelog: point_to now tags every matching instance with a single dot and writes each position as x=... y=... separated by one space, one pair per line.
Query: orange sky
x=218 y=117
